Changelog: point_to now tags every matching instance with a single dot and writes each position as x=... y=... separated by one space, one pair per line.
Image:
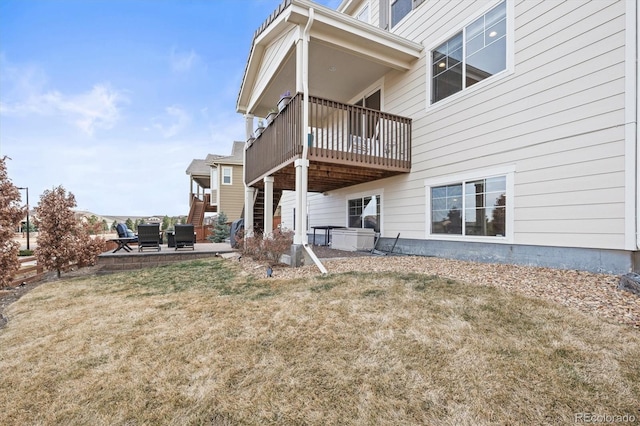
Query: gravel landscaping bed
x=595 y=294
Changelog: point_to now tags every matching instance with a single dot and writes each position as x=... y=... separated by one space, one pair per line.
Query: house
x=493 y=130
x=216 y=185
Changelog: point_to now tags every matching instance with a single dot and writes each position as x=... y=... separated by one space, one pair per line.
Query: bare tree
x=63 y=240
x=10 y=216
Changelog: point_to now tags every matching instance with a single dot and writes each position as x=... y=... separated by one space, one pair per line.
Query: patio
x=123 y=261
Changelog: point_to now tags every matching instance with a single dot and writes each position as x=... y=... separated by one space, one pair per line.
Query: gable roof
x=198 y=168
x=236 y=157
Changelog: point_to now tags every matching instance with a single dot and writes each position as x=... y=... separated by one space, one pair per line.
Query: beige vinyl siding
x=324 y=213
x=274 y=55
x=323 y=210
x=232 y=196
x=287 y=203
x=558 y=118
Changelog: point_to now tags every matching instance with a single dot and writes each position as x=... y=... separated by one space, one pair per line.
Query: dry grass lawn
x=204 y=343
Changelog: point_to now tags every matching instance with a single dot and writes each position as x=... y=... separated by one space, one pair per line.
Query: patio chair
x=124 y=232
x=149 y=236
x=185 y=236
x=366 y=145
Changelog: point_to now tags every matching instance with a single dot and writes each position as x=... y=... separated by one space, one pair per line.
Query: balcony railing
x=339 y=134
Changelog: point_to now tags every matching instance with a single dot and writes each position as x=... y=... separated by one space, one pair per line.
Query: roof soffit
x=331 y=29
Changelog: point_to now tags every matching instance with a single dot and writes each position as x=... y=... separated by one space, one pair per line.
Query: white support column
x=249 y=192
x=268 y=206
x=300 y=236
x=249 y=196
x=248 y=126
x=302 y=164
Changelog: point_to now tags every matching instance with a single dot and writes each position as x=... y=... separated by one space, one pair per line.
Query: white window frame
x=507 y=171
x=510 y=56
x=391 y=3
x=214 y=178
x=223 y=170
x=363 y=194
x=363 y=9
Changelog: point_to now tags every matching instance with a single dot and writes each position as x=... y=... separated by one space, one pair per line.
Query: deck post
x=268 y=206
x=300 y=236
x=249 y=197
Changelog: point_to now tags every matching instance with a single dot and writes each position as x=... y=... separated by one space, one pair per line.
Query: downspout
x=632 y=131
x=637 y=109
x=305 y=141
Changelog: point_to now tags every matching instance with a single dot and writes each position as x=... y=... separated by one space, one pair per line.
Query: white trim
x=495 y=78
x=224 y=168
x=631 y=135
x=370 y=90
x=213 y=176
x=508 y=171
x=366 y=5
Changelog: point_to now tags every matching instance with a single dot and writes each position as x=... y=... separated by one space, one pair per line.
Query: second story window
x=227 y=175
x=399 y=9
x=477 y=52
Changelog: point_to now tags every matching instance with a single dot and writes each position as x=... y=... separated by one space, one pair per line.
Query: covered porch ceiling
x=345 y=56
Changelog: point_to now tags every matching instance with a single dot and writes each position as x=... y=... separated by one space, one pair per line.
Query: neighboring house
x=498 y=130
x=216 y=185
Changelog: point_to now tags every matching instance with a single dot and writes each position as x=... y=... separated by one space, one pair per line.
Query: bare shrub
x=268 y=249
x=10 y=216
x=63 y=240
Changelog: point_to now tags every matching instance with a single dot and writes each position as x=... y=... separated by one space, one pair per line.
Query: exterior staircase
x=196 y=217
x=258 y=208
x=196 y=212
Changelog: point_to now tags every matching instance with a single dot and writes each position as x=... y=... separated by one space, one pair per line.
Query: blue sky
x=112 y=99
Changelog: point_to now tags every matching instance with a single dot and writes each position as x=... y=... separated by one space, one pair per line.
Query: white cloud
x=183 y=61
x=26 y=94
x=172 y=121
x=97 y=108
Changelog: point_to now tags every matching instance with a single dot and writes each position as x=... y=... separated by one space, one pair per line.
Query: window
x=362 y=124
x=364 y=212
x=214 y=178
x=401 y=8
x=474 y=207
x=474 y=54
x=227 y=175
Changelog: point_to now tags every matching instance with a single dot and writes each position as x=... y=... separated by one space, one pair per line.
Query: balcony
x=348 y=145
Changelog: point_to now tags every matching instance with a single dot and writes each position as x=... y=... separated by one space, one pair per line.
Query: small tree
x=63 y=239
x=268 y=249
x=220 y=231
x=10 y=216
x=129 y=224
x=93 y=225
x=166 y=223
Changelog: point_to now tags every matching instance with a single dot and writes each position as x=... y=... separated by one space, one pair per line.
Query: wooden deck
x=348 y=144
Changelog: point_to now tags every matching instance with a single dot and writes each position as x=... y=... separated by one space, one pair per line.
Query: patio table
x=327 y=233
x=123 y=243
